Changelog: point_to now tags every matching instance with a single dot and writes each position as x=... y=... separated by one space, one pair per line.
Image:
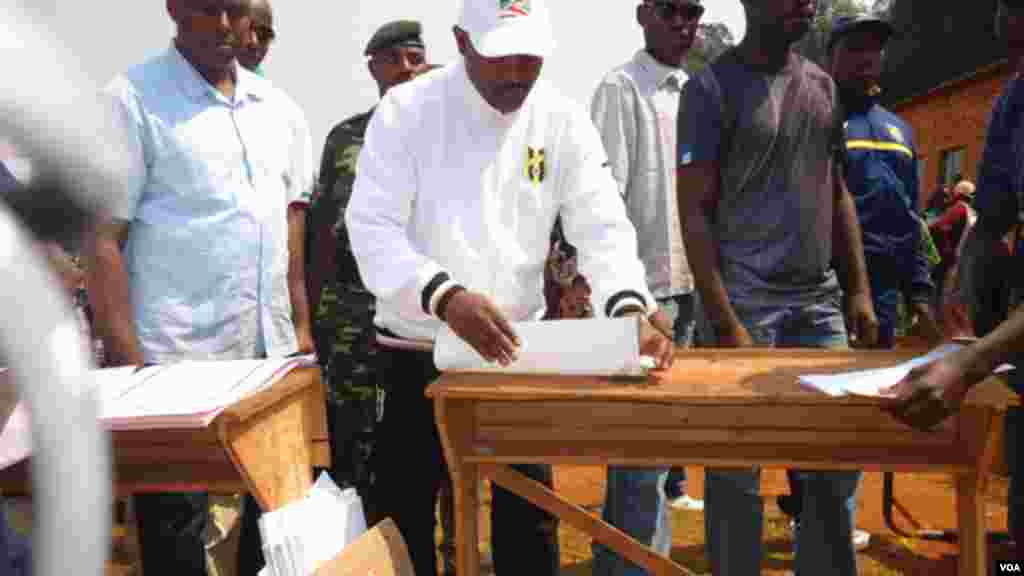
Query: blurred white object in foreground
x=53 y=116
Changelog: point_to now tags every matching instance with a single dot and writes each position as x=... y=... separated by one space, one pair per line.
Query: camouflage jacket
x=344 y=318
x=337 y=175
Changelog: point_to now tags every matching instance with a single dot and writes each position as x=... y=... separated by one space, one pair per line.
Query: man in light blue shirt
x=204 y=259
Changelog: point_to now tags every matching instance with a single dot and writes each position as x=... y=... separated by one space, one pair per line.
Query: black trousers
x=171 y=533
x=409 y=466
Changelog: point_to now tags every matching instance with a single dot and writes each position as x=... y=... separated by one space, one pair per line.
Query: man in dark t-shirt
x=765 y=212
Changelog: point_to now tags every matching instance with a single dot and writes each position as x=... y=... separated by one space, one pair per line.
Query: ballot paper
x=874 y=382
x=583 y=347
x=301 y=536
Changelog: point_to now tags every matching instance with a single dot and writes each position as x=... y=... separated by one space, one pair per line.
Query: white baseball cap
x=508 y=27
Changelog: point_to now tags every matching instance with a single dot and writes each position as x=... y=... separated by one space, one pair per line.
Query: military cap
x=843 y=25
x=400 y=33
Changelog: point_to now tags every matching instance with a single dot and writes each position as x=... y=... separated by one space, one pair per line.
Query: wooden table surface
x=713 y=408
x=265 y=444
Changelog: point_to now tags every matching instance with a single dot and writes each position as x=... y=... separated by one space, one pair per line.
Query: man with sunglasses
x=204 y=258
x=261 y=36
x=635 y=108
x=765 y=214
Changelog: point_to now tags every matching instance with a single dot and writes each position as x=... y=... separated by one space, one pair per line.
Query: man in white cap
x=462 y=175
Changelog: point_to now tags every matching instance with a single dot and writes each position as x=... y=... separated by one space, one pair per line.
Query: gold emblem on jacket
x=535 y=164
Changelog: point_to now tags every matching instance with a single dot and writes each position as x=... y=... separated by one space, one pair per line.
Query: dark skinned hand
x=474 y=318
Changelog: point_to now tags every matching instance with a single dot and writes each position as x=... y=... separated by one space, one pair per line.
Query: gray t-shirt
x=775 y=142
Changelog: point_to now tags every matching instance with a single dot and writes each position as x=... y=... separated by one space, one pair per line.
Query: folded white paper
x=299 y=537
x=873 y=382
x=588 y=347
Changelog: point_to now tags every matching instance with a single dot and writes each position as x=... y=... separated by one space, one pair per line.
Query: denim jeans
x=634 y=503
x=15 y=549
x=635 y=497
x=733 y=509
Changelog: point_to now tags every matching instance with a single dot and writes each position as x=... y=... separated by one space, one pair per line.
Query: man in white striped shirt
x=461 y=178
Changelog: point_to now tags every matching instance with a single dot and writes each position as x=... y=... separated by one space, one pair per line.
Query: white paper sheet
x=589 y=347
x=873 y=382
x=301 y=536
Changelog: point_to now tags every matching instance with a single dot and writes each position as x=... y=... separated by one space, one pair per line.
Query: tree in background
x=713 y=38
x=814 y=46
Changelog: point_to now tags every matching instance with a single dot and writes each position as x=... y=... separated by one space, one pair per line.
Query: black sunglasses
x=265 y=34
x=669 y=10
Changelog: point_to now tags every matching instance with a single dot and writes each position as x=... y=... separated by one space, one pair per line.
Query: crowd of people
x=763 y=201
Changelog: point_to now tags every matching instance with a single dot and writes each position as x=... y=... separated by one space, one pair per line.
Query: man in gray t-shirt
x=765 y=212
x=774 y=134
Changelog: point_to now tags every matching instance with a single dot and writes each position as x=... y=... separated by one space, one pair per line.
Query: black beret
x=398 y=33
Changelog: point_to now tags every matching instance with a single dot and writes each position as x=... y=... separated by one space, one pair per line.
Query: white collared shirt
x=207 y=199
x=443 y=186
x=635 y=109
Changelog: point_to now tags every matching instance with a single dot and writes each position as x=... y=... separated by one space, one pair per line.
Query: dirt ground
x=927 y=498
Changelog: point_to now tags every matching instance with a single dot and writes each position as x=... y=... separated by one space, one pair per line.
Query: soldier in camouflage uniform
x=343 y=308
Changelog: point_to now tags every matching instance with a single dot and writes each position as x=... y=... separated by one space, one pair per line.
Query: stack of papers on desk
x=185 y=394
x=589 y=347
x=301 y=536
x=873 y=382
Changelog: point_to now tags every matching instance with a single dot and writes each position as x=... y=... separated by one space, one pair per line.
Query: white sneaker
x=861 y=539
x=684 y=502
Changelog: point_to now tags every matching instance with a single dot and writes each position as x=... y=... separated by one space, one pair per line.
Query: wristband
x=442 y=304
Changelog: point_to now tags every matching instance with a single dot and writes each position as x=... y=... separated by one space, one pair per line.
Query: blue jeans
x=733 y=509
x=635 y=497
x=15 y=550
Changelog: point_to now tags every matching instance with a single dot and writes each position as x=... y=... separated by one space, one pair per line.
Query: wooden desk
x=728 y=408
x=266 y=445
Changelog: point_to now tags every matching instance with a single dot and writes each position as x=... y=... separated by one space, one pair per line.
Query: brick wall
x=950 y=117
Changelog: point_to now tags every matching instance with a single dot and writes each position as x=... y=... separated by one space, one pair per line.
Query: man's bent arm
x=377 y=219
x=297 y=276
x=594 y=220
x=1003 y=345
x=697 y=190
x=848 y=246
x=107 y=280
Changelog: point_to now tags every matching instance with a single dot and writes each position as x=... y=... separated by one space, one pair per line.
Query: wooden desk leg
x=466 y=485
x=271 y=448
x=971 y=515
x=455 y=421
